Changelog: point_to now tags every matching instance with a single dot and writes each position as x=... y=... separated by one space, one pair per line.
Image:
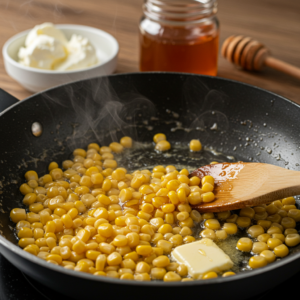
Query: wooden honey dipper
x=252 y=55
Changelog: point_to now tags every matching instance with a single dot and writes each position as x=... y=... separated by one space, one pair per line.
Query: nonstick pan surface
x=239 y=121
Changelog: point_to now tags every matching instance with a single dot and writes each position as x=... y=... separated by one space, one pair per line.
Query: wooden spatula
x=238 y=185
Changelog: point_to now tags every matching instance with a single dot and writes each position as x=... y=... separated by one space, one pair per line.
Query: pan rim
x=153 y=73
x=240 y=276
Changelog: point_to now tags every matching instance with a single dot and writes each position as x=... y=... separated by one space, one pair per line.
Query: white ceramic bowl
x=36 y=80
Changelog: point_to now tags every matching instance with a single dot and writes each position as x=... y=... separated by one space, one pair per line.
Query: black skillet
x=230 y=117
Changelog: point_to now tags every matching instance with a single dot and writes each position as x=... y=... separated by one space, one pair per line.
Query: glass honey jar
x=179 y=36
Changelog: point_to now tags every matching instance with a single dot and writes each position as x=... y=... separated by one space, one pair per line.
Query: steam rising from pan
x=105 y=114
x=205 y=110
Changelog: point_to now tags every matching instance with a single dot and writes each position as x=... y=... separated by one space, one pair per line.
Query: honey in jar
x=179 y=36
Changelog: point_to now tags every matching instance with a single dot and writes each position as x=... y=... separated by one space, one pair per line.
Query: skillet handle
x=6 y=100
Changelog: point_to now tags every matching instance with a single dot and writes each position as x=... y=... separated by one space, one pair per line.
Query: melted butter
x=239 y=259
x=202 y=252
x=143 y=156
x=224 y=174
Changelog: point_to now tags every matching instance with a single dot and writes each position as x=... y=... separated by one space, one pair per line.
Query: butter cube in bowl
x=51 y=55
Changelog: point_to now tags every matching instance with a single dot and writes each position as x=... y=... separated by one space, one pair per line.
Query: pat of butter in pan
x=201 y=257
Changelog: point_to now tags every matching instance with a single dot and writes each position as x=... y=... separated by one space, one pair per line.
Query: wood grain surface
x=275 y=23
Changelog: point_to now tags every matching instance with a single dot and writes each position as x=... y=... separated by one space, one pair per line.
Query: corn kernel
x=105 y=230
x=247 y=212
x=226 y=274
x=273 y=243
x=274 y=218
x=126 y=142
x=208 y=233
x=212 y=224
x=18 y=214
x=25 y=233
x=232 y=219
x=144 y=250
x=172 y=266
x=171 y=277
x=194 y=181
x=120 y=241
x=244 y=244
x=221 y=234
x=288 y=201
x=230 y=228
x=196 y=198
x=257 y=262
x=292 y=213
x=279 y=236
x=79 y=247
x=29 y=198
x=159 y=137
x=158 y=273
x=273 y=230
x=110 y=163
x=176 y=240
x=162 y=146
x=187 y=223
x=208 y=197
x=210 y=275
x=263 y=237
x=116 y=147
x=195 y=145
x=196 y=216
x=292 y=239
x=243 y=221
x=278 y=226
x=142 y=267
x=255 y=230
x=166 y=228
x=114 y=259
x=55 y=257
x=188 y=239
x=290 y=231
x=288 y=222
x=207 y=187
x=182 y=216
x=268 y=255
x=173 y=197
x=165 y=245
x=281 y=250
x=258 y=247
x=142 y=277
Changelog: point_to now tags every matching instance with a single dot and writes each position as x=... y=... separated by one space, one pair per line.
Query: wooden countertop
x=275 y=23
